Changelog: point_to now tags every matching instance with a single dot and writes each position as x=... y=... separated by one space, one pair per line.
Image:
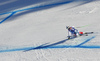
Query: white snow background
x=41 y=25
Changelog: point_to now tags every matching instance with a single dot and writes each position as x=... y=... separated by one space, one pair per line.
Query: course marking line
x=53 y=47
x=13 y=12
x=8 y=17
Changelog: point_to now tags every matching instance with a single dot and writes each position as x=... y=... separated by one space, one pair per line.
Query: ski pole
x=68 y=33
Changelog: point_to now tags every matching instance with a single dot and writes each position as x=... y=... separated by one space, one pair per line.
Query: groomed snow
x=47 y=24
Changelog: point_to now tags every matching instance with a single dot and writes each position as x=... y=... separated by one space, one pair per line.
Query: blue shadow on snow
x=37 y=8
x=53 y=46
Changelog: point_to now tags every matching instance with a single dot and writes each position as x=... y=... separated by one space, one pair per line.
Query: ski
x=84 y=34
x=88 y=32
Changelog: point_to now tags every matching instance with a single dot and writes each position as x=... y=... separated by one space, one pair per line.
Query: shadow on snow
x=22 y=3
x=53 y=46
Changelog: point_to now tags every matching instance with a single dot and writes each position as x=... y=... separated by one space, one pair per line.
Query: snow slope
x=25 y=27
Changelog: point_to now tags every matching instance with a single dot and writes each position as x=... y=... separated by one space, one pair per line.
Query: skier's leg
x=80 y=33
x=75 y=35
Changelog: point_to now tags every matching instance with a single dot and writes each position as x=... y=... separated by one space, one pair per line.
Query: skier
x=73 y=31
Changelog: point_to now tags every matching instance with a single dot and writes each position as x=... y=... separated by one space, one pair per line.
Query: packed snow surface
x=35 y=30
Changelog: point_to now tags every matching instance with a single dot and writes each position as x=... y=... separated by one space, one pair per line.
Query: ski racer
x=73 y=31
